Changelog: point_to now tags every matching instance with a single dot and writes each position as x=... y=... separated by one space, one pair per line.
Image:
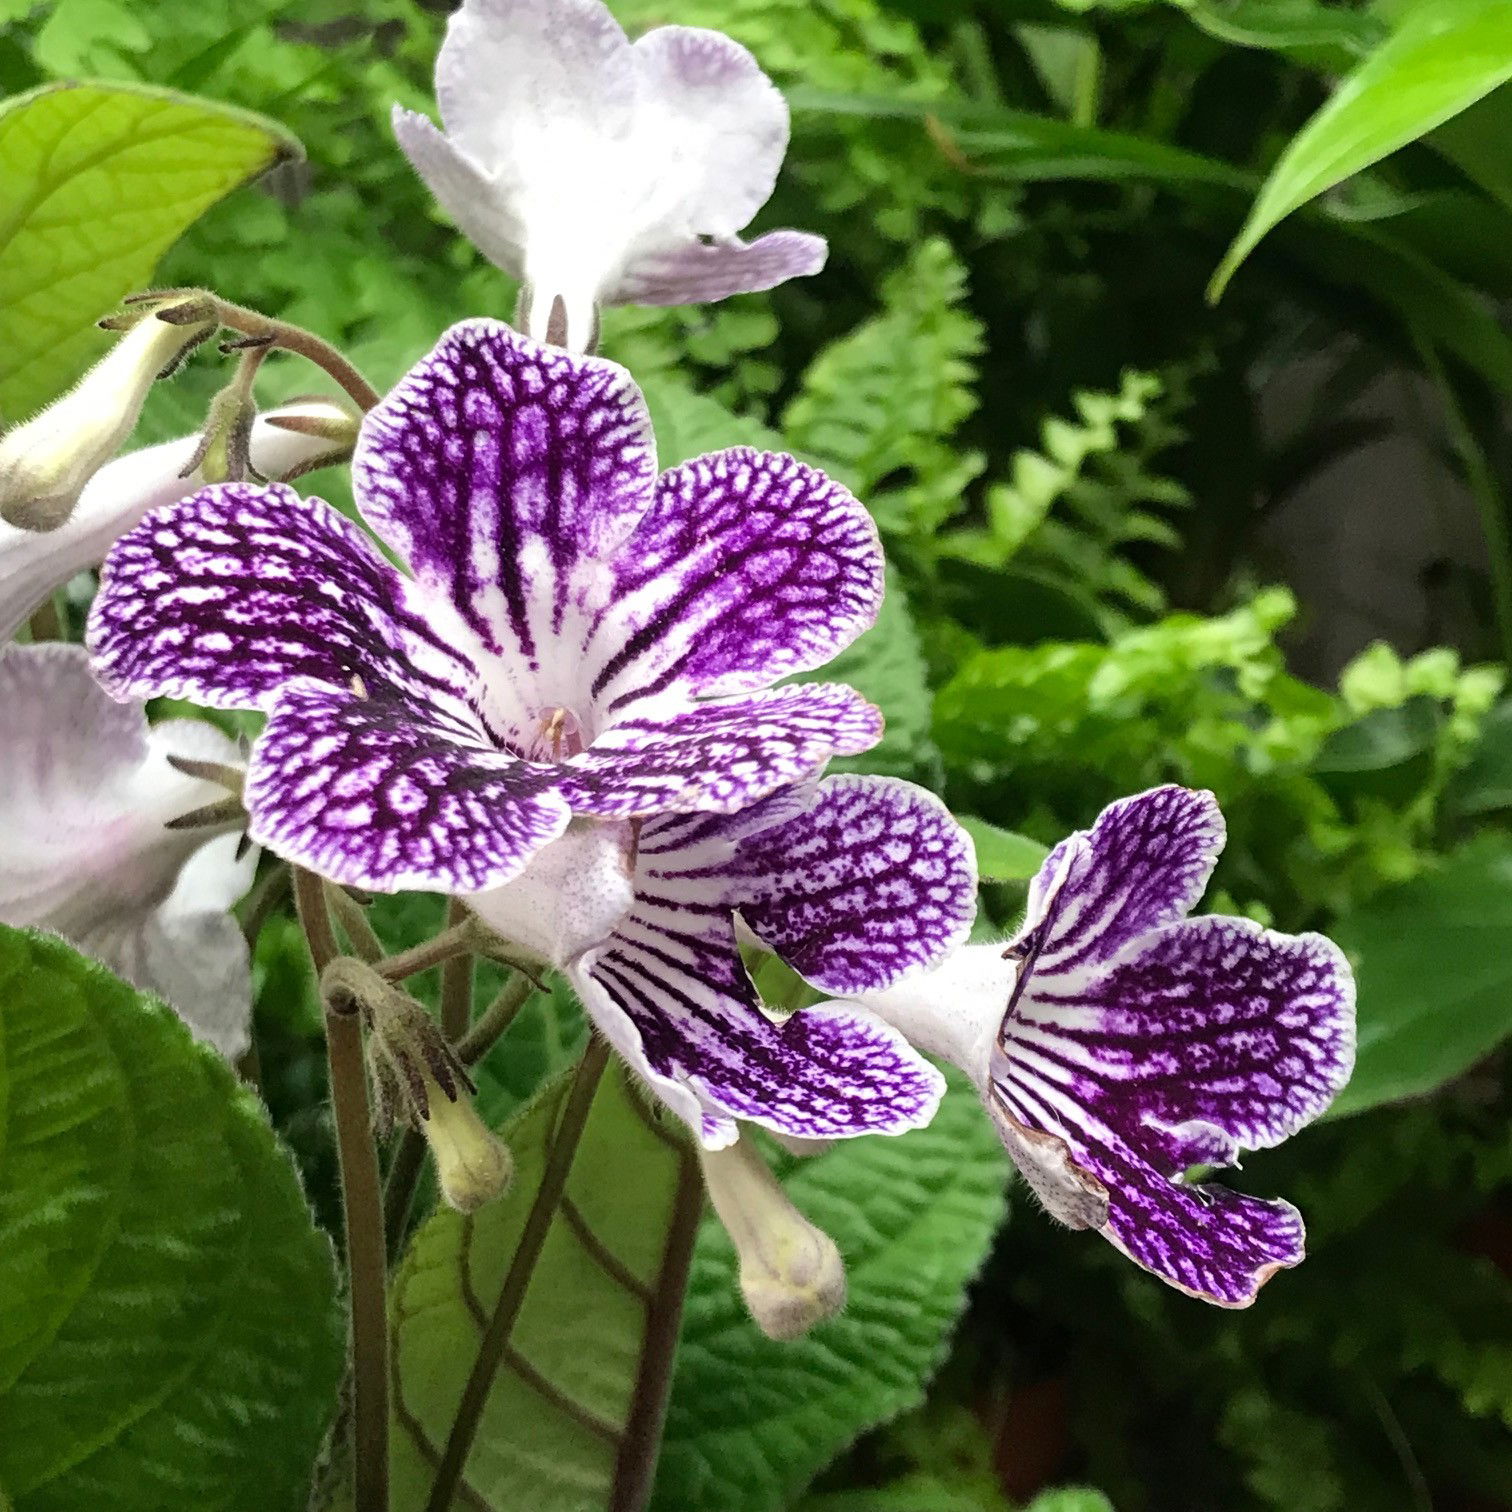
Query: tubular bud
x=473 y=1165
x=46 y=461
x=791 y=1273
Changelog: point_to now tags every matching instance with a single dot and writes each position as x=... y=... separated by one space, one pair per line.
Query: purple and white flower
x=855 y=882
x=576 y=636
x=601 y=171
x=33 y=563
x=1118 y=1044
x=88 y=793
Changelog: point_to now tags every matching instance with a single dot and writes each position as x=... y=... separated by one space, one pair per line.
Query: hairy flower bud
x=791 y=1273
x=473 y=1165
x=46 y=461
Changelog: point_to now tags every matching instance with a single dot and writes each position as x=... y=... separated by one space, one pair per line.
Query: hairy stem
x=460 y=940
x=293 y=338
x=543 y=1210
x=494 y=1020
x=353 y=919
x=363 y=1211
x=635 y=1465
x=456 y=981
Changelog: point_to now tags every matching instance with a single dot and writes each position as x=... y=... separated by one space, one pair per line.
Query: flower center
x=558 y=735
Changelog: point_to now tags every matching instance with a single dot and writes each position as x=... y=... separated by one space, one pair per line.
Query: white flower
x=33 y=563
x=84 y=808
x=604 y=172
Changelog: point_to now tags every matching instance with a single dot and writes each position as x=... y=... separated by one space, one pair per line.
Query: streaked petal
x=228 y=595
x=702 y=272
x=1207 y=1037
x=718 y=757
x=670 y=991
x=87 y=794
x=1145 y=862
x=34 y=563
x=873 y=882
x=371 y=793
x=749 y=566
x=506 y=474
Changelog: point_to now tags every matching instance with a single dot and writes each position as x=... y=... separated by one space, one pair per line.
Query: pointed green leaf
x=1445 y=56
x=169 y=1335
x=753 y=1421
x=100 y=180
x=559 y=1409
x=1002 y=855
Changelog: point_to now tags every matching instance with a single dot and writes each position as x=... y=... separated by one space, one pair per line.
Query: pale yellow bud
x=791 y=1273
x=46 y=461
x=473 y=1165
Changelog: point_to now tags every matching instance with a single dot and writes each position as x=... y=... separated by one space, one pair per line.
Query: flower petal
x=505 y=473
x=88 y=792
x=34 y=563
x=1208 y=1036
x=703 y=272
x=368 y=792
x=874 y=881
x=1145 y=862
x=718 y=757
x=225 y=597
x=670 y=991
x=749 y=566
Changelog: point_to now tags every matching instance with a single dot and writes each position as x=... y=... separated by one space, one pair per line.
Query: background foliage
x=1012 y=358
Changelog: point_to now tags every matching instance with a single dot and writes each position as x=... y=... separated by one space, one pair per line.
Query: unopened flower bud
x=46 y=461
x=791 y=1273
x=473 y=1165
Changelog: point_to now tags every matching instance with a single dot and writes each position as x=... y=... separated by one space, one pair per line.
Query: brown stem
x=353 y=919
x=293 y=338
x=538 y=1223
x=461 y=939
x=494 y=1020
x=456 y=981
x=45 y=623
x=363 y=1210
x=266 y=895
x=640 y=1446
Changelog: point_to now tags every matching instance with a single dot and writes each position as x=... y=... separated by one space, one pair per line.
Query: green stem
x=267 y=893
x=538 y=1223
x=494 y=1020
x=640 y=1447
x=460 y=939
x=353 y=919
x=363 y=1209
x=456 y=981
x=293 y=338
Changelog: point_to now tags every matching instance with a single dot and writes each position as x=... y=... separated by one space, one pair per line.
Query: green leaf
x=100 y=180
x=1387 y=754
x=752 y=1421
x=1002 y=855
x=1434 y=975
x=557 y=1411
x=169 y=1335
x=1069 y=1499
x=1446 y=55
x=1484 y=785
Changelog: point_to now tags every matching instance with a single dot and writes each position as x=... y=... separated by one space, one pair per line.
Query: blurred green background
x=1258 y=545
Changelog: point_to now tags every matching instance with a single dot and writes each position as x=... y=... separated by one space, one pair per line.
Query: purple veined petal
x=671 y=993
x=874 y=881
x=368 y=792
x=225 y=597
x=1145 y=862
x=507 y=474
x=1209 y=1036
x=703 y=272
x=718 y=757
x=35 y=563
x=750 y=566
x=484 y=214
x=88 y=793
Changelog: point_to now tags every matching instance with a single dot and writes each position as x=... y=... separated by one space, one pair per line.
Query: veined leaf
x=559 y=1412
x=1446 y=55
x=169 y=1336
x=753 y=1421
x=99 y=181
x=1434 y=975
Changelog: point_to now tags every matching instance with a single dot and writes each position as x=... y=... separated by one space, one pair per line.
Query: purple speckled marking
x=672 y=973
x=565 y=614
x=872 y=881
x=1142 y=1043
